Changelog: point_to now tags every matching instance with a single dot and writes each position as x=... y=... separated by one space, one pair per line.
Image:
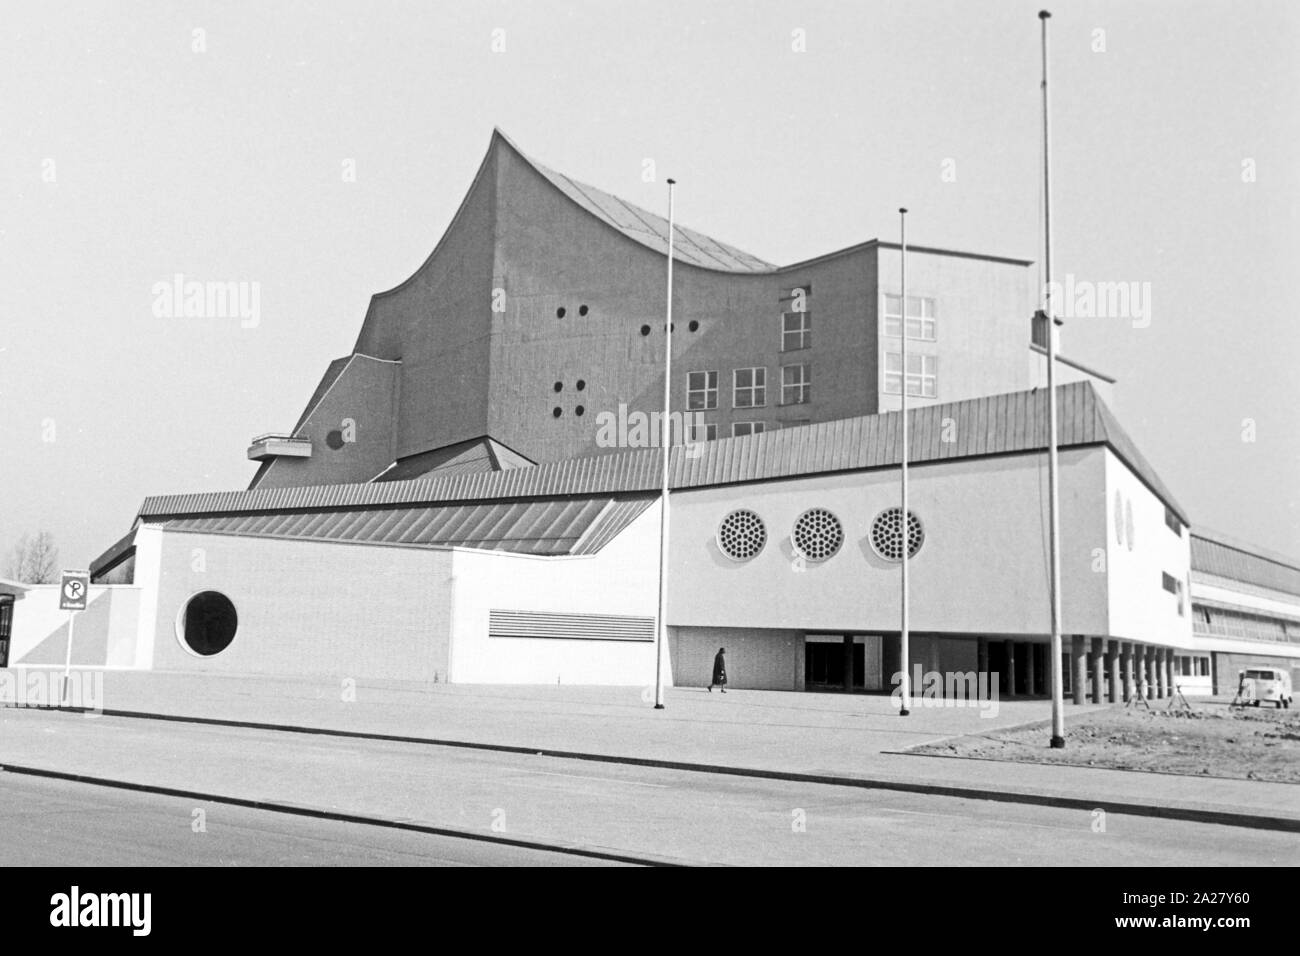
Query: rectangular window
x=922 y=374
x=1169 y=583
x=701 y=431
x=749 y=388
x=796 y=384
x=747 y=428
x=796 y=331
x=701 y=391
x=922 y=317
x=1174 y=525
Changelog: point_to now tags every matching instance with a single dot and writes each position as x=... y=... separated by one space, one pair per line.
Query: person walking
x=719 y=671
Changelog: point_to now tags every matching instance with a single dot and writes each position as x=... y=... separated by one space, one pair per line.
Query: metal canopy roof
x=1013 y=423
x=573 y=526
x=1217 y=554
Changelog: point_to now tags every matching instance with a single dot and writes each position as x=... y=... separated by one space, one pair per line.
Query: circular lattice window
x=741 y=535
x=887 y=534
x=818 y=534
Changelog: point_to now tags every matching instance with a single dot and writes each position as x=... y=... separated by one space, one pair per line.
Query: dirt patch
x=1212 y=741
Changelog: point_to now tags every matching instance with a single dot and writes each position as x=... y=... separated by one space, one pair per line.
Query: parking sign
x=74 y=586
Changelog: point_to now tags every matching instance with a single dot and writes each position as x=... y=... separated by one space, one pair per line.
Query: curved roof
x=691 y=247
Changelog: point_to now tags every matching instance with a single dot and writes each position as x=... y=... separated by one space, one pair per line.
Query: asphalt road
x=60 y=823
x=677 y=816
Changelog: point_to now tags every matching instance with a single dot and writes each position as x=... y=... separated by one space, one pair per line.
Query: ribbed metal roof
x=1220 y=555
x=689 y=246
x=570 y=526
x=997 y=425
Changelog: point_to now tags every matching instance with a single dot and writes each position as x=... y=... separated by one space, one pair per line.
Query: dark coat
x=719 y=669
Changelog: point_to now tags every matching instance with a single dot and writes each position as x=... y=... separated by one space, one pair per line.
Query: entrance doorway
x=843 y=662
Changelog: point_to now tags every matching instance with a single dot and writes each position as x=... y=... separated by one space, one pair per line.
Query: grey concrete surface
x=681 y=816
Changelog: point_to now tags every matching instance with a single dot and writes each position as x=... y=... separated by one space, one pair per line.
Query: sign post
x=74 y=591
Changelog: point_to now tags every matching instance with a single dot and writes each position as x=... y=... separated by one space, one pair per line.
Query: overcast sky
x=128 y=156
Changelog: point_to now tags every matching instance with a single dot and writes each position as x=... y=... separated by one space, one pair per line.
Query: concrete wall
x=1140 y=608
x=620 y=579
x=757 y=658
x=437 y=323
x=309 y=607
x=104 y=634
x=985 y=308
x=982 y=570
x=361 y=405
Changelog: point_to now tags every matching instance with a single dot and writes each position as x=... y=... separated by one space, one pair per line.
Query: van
x=1258 y=684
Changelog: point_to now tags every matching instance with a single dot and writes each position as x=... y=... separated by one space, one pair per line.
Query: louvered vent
x=585 y=627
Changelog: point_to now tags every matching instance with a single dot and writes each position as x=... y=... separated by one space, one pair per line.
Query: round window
x=817 y=534
x=741 y=535
x=208 y=623
x=887 y=534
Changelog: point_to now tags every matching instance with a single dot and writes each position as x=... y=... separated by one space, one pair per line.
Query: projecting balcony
x=265 y=447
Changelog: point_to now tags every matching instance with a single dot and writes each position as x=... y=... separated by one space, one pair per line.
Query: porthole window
x=556 y=412
x=741 y=535
x=694 y=326
x=817 y=534
x=579 y=410
x=645 y=330
x=887 y=534
x=559 y=386
x=582 y=310
x=581 y=385
x=559 y=313
x=207 y=623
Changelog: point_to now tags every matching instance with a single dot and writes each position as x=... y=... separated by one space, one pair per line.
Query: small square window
x=796 y=331
x=701 y=391
x=922 y=374
x=796 y=384
x=749 y=387
x=747 y=428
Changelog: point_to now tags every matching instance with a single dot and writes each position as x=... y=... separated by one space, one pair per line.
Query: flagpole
x=1053 y=483
x=661 y=630
x=904 y=639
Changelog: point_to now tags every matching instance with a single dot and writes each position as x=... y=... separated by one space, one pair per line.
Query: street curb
x=302 y=810
x=1185 y=813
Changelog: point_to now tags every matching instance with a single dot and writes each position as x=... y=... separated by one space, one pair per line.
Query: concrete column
x=1031 y=673
x=1162 y=677
x=1140 y=662
x=1009 y=648
x=1169 y=671
x=1097 y=660
x=1079 y=672
x=1114 y=691
x=848 y=662
x=1126 y=667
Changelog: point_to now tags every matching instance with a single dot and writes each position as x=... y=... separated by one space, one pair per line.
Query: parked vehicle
x=1257 y=684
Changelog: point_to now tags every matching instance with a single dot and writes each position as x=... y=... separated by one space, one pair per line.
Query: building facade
x=451 y=506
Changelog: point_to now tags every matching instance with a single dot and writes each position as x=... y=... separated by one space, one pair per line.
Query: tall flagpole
x=661 y=631
x=903 y=632
x=1053 y=485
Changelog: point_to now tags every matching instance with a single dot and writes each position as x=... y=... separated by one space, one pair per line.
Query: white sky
x=226 y=165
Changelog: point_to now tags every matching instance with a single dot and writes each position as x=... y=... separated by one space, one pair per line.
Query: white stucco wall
x=983 y=568
x=622 y=578
x=1140 y=608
